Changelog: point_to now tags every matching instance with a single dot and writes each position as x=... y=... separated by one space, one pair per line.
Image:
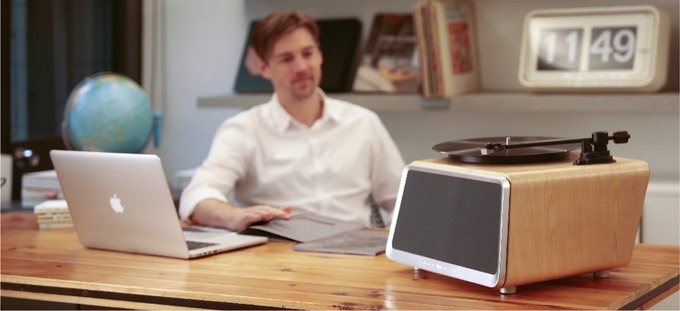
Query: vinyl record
x=470 y=150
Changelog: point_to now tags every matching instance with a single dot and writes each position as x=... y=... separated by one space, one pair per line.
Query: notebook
x=122 y=202
x=317 y=233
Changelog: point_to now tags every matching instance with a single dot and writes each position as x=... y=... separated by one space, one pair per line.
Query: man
x=300 y=150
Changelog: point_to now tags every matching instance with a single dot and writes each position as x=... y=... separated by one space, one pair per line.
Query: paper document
x=368 y=242
x=323 y=234
x=304 y=227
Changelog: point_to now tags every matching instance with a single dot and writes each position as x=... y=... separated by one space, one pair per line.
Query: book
x=31 y=197
x=367 y=242
x=303 y=227
x=448 y=47
x=53 y=225
x=427 y=57
x=41 y=180
x=316 y=233
x=53 y=214
x=51 y=206
x=37 y=187
x=339 y=39
x=389 y=62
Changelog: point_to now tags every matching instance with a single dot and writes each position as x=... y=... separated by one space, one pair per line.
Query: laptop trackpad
x=201 y=235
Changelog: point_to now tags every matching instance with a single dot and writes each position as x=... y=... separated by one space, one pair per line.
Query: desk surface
x=52 y=265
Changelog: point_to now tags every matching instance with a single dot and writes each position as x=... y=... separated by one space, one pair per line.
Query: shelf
x=668 y=102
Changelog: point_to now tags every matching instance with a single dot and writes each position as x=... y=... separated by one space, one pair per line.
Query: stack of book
x=447 y=47
x=53 y=214
x=37 y=187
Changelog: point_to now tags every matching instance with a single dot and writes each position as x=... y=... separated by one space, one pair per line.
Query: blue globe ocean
x=107 y=112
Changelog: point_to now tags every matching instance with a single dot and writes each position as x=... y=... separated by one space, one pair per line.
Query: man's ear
x=253 y=62
x=264 y=71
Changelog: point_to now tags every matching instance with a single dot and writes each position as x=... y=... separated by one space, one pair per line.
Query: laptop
x=122 y=202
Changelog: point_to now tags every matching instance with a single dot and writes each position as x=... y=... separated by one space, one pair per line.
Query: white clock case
x=649 y=75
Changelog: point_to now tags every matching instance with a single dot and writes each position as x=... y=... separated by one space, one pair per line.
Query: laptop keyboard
x=196 y=245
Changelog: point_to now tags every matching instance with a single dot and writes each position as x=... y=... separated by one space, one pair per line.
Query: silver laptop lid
x=120 y=202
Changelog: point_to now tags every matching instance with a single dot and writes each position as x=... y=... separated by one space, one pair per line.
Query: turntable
x=508 y=211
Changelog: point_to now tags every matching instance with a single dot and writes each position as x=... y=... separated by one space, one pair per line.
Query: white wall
x=203 y=43
x=200 y=43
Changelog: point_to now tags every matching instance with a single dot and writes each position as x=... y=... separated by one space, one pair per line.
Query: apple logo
x=114 y=201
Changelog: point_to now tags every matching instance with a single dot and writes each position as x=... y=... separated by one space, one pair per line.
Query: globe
x=107 y=112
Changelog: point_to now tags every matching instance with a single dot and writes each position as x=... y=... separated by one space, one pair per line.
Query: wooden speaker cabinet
x=505 y=225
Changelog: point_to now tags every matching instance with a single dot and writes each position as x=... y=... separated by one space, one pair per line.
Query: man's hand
x=215 y=213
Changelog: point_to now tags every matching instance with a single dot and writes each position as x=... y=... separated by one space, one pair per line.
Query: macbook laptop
x=122 y=202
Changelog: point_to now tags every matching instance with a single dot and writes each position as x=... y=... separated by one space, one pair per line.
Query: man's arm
x=216 y=213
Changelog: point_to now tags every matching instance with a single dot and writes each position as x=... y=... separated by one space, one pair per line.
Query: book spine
x=419 y=17
x=58 y=225
x=447 y=46
x=35 y=183
x=459 y=47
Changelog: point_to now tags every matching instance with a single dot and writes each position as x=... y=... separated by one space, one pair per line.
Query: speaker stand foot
x=416 y=273
x=601 y=274
x=508 y=290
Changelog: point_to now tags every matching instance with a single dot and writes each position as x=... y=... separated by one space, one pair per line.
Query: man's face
x=294 y=65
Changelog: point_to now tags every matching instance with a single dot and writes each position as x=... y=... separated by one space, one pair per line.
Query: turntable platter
x=470 y=150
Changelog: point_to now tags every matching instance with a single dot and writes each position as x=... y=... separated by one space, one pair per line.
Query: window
x=48 y=47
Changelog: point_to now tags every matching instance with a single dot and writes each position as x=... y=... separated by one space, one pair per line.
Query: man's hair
x=277 y=24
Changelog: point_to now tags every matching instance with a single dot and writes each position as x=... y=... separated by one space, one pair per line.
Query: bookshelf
x=665 y=102
x=499 y=23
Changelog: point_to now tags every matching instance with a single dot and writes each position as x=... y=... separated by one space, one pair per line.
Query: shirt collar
x=283 y=121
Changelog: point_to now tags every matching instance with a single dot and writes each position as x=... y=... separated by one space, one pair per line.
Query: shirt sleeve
x=225 y=164
x=387 y=165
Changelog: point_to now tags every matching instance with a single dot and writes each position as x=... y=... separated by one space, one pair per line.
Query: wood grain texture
x=52 y=264
x=567 y=219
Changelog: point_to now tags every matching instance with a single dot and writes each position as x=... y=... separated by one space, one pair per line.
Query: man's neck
x=305 y=111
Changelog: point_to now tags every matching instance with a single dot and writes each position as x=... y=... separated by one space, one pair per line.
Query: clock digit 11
x=560 y=49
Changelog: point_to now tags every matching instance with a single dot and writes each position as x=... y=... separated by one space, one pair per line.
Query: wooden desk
x=51 y=265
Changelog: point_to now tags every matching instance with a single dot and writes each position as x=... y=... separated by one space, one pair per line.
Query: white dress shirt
x=266 y=157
